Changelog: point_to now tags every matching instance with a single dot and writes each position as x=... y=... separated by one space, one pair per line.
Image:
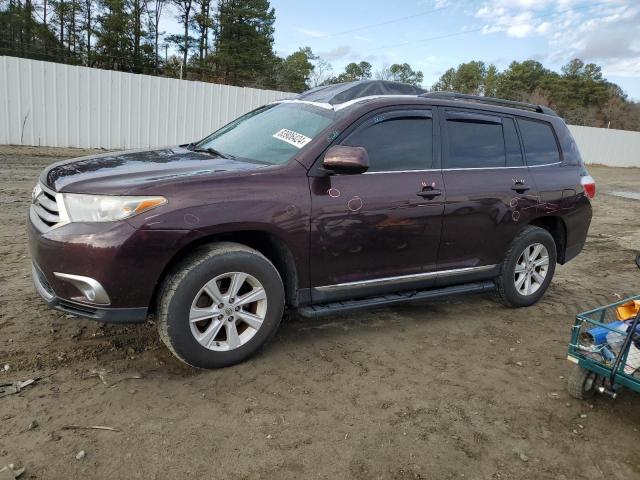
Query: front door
x=490 y=194
x=379 y=231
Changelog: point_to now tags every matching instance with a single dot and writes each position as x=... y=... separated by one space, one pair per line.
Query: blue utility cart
x=606 y=351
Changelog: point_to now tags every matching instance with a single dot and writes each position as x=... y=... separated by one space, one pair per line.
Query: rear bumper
x=92 y=312
x=577 y=223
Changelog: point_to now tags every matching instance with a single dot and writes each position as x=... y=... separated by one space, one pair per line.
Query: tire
x=230 y=331
x=582 y=383
x=516 y=295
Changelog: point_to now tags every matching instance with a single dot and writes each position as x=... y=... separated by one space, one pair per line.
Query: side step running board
x=315 y=311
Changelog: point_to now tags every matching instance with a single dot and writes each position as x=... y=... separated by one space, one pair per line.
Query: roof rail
x=490 y=101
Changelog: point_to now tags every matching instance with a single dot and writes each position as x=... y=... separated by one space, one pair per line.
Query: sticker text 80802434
x=296 y=139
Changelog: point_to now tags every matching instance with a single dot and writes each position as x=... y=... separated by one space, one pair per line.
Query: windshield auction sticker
x=294 y=138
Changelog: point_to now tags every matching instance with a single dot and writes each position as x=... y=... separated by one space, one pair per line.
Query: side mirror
x=345 y=159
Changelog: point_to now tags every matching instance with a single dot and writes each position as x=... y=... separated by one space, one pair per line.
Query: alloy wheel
x=531 y=269
x=228 y=311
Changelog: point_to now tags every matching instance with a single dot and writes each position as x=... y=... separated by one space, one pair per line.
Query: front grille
x=45 y=211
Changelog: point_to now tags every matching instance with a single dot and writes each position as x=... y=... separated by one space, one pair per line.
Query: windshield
x=272 y=134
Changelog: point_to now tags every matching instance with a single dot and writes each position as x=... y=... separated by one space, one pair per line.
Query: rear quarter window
x=540 y=146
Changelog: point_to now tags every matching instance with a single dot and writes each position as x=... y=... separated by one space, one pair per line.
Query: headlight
x=105 y=208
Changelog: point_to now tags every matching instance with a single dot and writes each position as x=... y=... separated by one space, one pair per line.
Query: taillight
x=588 y=185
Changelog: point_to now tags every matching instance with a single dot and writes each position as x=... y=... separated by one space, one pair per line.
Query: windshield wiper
x=215 y=152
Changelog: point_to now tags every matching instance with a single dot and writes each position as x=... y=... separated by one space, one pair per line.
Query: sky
x=434 y=35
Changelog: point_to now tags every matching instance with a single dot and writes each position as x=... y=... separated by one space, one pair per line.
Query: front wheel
x=528 y=268
x=220 y=306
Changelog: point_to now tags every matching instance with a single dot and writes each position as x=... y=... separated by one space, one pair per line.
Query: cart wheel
x=582 y=383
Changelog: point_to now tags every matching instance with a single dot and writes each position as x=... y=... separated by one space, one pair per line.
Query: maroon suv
x=349 y=196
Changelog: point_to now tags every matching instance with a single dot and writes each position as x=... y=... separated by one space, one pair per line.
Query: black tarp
x=344 y=92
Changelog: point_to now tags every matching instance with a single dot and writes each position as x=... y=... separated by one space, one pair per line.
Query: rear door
x=379 y=231
x=558 y=182
x=558 y=179
x=489 y=193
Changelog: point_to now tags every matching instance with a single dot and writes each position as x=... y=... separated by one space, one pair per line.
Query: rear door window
x=540 y=146
x=474 y=141
x=395 y=141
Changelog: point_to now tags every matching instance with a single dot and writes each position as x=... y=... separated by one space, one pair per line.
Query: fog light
x=89 y=287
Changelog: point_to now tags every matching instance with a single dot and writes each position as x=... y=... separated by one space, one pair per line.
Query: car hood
x=123 y=172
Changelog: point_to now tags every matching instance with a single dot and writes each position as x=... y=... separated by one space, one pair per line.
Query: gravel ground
x=445 y=389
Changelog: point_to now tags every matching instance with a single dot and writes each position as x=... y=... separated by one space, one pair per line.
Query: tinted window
x=512 y=143
x=396 y=144
x=540 y=145
x=475 y=144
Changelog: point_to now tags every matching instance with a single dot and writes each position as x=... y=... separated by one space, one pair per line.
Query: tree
x=491 y=79
x=158 y=6
x=384 y=73
x=88 y=25
x=113 y=44
x=582 y=85
x=60 y=12
x=400 y=73
x=471 y=77
x=522 y=78
x=23 y=36
x=202 y=23
x=405 y=74
x=125 y=35
x=580 y=93
x=356 y=71
x=353 y=72
x=244 y=42
x=184 y=15
x=320 y=73
x=137 y=9
x=447 y=81
x=293 y=73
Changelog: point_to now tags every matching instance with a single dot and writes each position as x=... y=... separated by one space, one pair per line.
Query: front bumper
x=125 y=262
x=92 y=312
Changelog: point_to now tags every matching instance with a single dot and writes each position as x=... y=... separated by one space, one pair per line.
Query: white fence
x=56 y=105
x=615 y=148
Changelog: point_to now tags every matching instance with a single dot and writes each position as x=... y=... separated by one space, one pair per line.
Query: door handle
x=429 y=193
x=520 y=188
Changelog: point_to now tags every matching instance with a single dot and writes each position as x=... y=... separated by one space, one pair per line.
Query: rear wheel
x=220 y=306
x=582 y=383
x=528 y=268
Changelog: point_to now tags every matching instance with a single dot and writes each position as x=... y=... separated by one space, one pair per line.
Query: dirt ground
x=458 y=388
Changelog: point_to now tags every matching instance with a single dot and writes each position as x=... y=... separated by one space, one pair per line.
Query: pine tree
x=202 y=23
x=137 y=8
x=184 y=44
x=88 y=27
x=158 y=6
x=113 y=45
x=293 y=73
x=244 y=42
